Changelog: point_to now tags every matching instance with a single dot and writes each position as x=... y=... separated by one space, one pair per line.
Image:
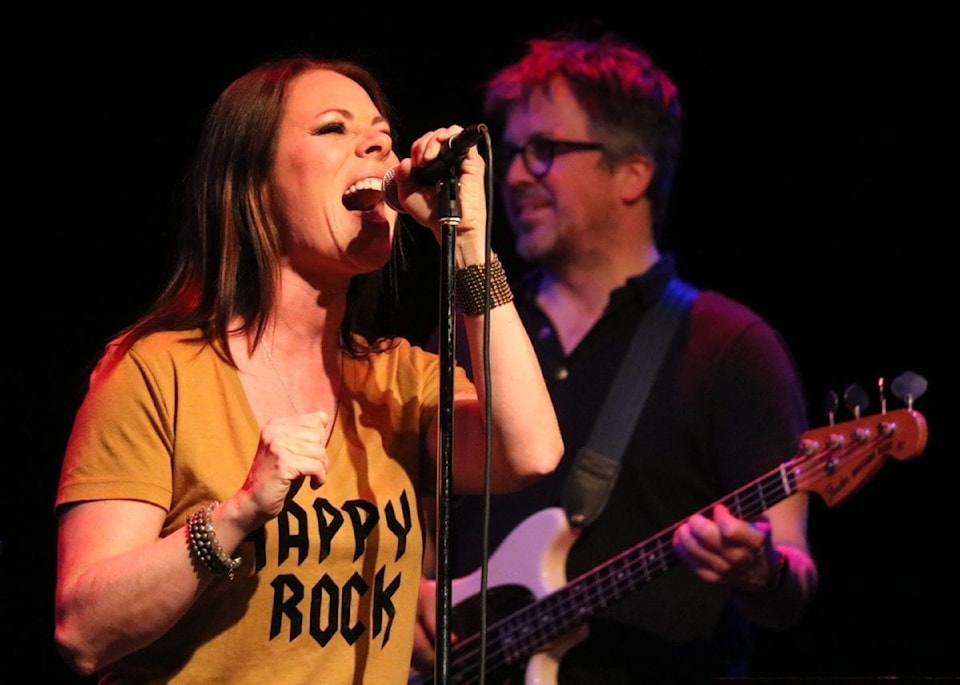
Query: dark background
x=817 y=186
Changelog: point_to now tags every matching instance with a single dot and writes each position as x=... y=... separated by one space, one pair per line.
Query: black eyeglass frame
x=550 y=149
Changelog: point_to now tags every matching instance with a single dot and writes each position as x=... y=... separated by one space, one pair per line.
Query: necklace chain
x=280 y=378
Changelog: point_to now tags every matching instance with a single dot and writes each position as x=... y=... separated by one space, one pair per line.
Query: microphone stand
x=449 y=210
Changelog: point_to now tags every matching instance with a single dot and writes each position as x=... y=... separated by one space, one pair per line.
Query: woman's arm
x=526 y=441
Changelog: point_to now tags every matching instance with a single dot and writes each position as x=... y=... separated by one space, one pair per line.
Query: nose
x=513 y=168
x=376 y=143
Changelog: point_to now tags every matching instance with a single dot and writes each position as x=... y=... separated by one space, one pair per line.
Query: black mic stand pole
x=448 y=205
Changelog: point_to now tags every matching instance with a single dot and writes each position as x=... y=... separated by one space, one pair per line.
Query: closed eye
x=331 y=127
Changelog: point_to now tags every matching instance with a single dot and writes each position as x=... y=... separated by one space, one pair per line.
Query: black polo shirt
x=725 y=407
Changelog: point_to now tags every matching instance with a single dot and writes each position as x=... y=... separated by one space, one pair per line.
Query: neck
x=585 y=283
x=574 y=293
x=306 y=365
x=307 y=316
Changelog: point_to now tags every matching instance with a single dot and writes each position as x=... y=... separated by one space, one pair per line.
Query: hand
x=425 y=631
x=728 y=550
x=421 y=201
x=291 y=448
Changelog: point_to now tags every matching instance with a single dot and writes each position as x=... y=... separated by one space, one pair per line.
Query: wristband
x=775 y=581
x=470 y=287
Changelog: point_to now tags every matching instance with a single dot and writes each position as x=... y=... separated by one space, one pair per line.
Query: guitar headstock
x=837 y=460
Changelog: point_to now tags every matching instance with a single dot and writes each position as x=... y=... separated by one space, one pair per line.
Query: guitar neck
x=535 y=626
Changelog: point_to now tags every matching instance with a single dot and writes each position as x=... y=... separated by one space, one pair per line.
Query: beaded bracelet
x=470 y=287
x=206 y=548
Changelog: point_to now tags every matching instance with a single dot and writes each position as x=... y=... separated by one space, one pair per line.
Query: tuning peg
x=856 y=399
x=830 y=404
x=909 y=386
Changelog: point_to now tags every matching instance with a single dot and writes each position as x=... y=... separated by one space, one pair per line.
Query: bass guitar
x=524 y=645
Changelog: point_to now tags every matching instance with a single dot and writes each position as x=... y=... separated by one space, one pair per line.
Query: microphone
x=451 y=155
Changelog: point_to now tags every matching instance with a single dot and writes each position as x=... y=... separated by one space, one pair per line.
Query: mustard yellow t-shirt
x=327 y=591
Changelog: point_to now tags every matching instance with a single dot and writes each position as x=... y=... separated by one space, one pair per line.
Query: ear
x=634 y=175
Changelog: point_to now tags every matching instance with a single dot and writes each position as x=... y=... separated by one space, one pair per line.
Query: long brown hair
x=226 y=262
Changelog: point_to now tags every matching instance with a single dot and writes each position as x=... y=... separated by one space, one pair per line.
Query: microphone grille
x=391 y=194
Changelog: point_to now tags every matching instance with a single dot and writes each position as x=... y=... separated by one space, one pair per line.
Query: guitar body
x=528 y=565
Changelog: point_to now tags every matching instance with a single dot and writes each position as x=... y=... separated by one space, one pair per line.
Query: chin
x=530 y=249
x=374 y=256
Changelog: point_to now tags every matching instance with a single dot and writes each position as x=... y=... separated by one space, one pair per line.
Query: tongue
x=362 y=200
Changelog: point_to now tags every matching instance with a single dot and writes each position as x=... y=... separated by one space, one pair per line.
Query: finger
x=700 y=560
x=735 y=531
x=300 y=452
x=705 y=532
x=693 y=548
x=434 y=142
x=425 y=148
x=318 y=476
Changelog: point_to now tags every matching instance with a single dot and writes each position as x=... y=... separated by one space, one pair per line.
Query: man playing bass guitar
x=590 y=135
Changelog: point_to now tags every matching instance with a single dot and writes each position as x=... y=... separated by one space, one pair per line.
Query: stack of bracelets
x=206 y=548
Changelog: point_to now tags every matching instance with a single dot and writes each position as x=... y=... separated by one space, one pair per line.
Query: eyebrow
x=348 y=115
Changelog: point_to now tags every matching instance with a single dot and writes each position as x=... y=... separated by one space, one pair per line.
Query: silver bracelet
x=206 y=548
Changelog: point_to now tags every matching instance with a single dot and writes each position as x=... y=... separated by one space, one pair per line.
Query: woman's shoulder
x=159 y=357
x=396 y=361
x=161 y=347
x=166 y=343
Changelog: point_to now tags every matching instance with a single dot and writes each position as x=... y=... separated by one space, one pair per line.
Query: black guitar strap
x=597 y=464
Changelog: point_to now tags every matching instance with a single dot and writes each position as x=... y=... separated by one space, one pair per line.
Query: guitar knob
x=830 y=404
x=856 y=399
x=909 y=386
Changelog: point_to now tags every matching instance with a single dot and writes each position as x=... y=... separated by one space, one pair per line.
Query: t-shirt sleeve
x=761 y=414
x=121 y=442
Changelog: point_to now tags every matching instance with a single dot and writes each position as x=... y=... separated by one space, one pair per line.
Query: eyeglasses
x=537 y=154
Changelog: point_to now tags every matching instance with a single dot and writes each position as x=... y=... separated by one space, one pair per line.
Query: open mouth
x=364 y=195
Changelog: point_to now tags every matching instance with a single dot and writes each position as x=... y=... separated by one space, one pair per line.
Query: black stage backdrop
x=817 y=185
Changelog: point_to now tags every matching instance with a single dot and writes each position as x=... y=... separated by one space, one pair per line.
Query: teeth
x=363 y=194
x=366 y=184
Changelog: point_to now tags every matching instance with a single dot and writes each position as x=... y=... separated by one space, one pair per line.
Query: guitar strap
x=597 y=464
